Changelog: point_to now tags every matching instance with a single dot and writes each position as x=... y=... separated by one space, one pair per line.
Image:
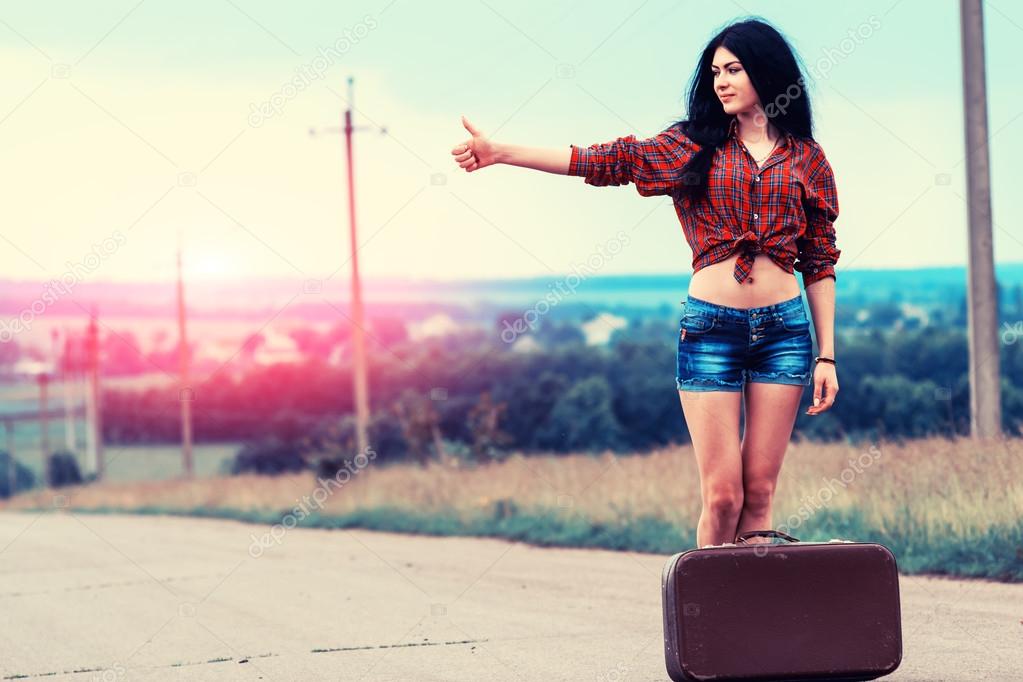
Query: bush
x=269 y=457
x=583 y=419
x=333 y=442
x=63 y=469
x=23 y=476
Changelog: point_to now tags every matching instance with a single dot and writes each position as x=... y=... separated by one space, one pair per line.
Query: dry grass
x=960 y=487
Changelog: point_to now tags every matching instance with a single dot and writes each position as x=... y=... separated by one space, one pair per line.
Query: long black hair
x=775 y=74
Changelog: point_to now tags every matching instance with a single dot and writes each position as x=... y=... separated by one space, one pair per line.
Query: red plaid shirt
x=785 y=209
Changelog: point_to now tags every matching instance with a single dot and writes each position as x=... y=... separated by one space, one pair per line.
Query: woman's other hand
x=825 y=387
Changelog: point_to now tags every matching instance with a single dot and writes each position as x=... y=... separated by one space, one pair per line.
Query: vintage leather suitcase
x=782 y=611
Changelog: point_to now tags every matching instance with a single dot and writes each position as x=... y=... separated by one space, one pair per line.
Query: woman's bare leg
x=713 y=421
x=770 y=415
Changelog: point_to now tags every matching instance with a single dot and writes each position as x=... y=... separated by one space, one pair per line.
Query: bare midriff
x=767 y=283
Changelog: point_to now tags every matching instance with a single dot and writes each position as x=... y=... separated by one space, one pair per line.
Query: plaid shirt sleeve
x=651 y=164
x=817 y=251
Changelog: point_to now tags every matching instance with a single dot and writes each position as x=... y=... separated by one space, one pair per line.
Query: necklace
x=761 y=160
x=766 y=156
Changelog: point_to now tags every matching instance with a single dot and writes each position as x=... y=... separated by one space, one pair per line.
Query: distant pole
x=66 y=384
x=93 y=395
x=12 y=470
x=982 y=311
x=185 y=395
x=358 y=336
x=91 y=458
x=44 y=424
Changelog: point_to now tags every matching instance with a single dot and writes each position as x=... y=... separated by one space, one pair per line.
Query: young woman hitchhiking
x=757 y=200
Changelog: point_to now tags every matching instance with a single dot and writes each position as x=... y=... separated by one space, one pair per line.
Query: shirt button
x=757 y=178
x=755 y=216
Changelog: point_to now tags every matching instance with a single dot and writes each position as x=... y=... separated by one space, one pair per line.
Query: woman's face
x=732 y=84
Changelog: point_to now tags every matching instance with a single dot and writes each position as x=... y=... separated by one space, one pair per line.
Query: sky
x=126 y=126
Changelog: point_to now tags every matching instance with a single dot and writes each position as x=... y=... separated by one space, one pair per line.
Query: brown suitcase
x=782 y=611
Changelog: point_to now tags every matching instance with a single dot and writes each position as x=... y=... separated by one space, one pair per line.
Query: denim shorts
x=720 y=347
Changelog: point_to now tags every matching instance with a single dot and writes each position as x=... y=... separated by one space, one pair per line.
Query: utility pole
x=359 y=367
x=94 y=405
x=44 y=424
x=185 y=394
x=12 y=464
x=982 y=308
x=359 y=371
x=66 y=386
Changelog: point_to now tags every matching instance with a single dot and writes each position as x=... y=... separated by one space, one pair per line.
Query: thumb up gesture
x=476 y=152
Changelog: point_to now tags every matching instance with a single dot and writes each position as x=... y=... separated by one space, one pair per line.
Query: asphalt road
x=111 y=598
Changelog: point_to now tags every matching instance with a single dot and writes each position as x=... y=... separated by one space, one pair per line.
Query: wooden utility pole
x=94 y=405
x=44 y=424
x=982 y=296
x=66 y=380
x=12 y=464
x=360 y=383
x=185 y=393
x=358 y=321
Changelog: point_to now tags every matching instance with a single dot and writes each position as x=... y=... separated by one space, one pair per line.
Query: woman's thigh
x=708 y=376
x=712 y=418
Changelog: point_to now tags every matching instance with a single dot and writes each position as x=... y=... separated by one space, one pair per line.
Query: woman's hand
x=825 y=387
x=475 y=153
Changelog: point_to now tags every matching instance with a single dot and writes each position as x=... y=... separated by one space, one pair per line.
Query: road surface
x=112 y=598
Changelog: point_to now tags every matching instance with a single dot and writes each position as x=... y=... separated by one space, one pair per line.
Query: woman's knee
x=758 y=495
x=724 y=501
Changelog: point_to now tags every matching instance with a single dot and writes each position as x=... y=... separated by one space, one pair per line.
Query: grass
x=951 y=507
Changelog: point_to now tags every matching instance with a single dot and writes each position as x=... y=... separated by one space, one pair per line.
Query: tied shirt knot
x=749 y=246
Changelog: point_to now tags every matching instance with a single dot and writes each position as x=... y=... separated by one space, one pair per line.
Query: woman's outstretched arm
x=654 y=164
x=539 y=158
x=480 y=152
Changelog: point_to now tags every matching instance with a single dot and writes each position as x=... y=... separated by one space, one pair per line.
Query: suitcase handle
x=765 y=533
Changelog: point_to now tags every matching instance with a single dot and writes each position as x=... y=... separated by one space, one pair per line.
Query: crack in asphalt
x=100 y=586
x=245 y=659
x=397 y=646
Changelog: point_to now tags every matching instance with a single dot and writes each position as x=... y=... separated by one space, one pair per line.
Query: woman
x=757 y=200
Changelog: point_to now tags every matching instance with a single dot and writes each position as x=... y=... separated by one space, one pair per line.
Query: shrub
x=63 y=469
x=23 y=476
x=270 y=457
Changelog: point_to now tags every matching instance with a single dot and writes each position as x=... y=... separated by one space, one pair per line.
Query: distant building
x=915 y=312
x=598 y=330
x=438 y=324
x=526 y=343
x=276 y=348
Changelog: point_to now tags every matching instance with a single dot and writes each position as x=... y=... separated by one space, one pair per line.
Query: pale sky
x=128 y=121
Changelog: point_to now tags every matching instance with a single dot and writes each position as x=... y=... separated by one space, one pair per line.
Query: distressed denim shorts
x=720 y=348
